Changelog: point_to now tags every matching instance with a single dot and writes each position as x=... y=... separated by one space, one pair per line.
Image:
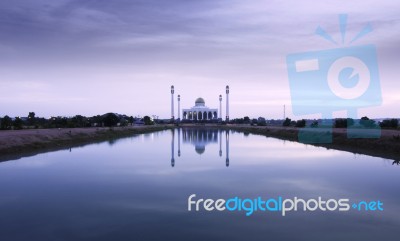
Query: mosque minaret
x=220 y=106
x=179 y=107
x=227 y=103
x=172 y=103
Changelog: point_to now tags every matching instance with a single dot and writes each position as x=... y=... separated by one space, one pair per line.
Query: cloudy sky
x=69 y=57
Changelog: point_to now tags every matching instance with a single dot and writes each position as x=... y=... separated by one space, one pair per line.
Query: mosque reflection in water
x=200 y=138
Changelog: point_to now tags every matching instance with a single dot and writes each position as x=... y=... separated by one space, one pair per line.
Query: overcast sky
x=90 y=57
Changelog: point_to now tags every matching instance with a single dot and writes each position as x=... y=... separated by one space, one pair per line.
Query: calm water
x=137 y=189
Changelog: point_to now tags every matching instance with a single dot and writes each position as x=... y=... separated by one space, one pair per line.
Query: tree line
x=337 y=123
x=31 y=121
x=347 y=122
x=78 y=121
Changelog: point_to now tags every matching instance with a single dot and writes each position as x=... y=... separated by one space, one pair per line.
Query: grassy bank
x=387 y=146
x=21 y=143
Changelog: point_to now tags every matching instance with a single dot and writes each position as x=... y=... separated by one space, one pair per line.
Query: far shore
x=15 y=144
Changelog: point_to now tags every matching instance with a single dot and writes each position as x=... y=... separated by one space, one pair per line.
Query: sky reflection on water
x=137 y=188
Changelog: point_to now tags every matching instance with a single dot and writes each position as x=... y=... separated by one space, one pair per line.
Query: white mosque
x=199 y=111
x=199 y=138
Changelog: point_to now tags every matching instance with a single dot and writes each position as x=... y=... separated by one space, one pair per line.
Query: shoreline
x=15 y=144
x=387 y=146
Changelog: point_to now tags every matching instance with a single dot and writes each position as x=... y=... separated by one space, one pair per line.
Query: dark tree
x=392 y=123
x=367 y=122
x=301 y=123
x=78 y=121
x=110 y=119
x=123 y=122
x=350 y=122
x=314 y=124
x=131 y=120
x=6 y=123
x=340 y=123
x=17 y=123
x=287 y=122
x=147 y=120
x=58 y=122
x=96 y=120
x=261 y=121
x=343 y=123
x=246 y=120
x=31 y=118
x=238 y=121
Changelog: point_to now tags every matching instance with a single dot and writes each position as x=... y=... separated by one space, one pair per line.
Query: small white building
x=200 y=112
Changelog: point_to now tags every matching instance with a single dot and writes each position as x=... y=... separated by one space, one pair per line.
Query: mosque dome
x=200 y=149
x=200 y=102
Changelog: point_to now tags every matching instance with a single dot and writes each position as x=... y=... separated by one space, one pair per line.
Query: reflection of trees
x=111 y=142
